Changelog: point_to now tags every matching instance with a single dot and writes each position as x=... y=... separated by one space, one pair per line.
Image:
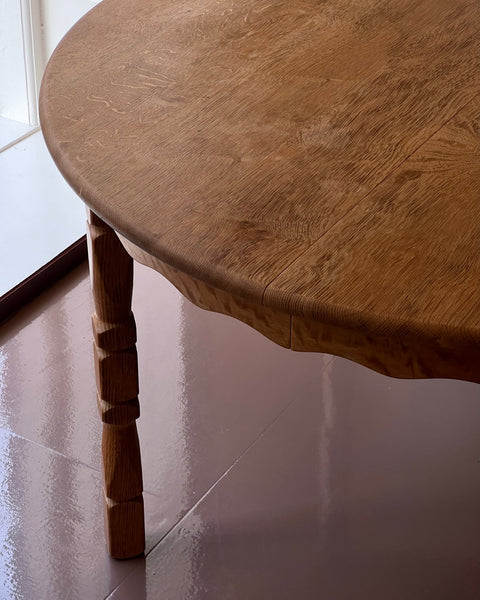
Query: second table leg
x=116 y=369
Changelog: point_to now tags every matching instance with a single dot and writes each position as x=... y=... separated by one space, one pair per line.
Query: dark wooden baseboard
x=39 y=281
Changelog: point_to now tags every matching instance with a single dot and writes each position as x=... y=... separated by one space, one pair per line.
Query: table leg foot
x=116 y=369
x=124 y=518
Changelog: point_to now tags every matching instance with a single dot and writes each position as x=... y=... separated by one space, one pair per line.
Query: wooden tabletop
x=318 y=159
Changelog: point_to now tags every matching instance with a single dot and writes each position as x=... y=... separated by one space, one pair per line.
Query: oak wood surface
x=319 y=159
x=274 y=324
x=111 y=270
x=402 y=353
x=424 y=231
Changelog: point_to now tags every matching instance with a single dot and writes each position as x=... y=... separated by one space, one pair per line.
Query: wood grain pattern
x=402 y=353
x=406 y=262
x=406 y=355
x=272 y=323
x=219 y=136
x=314 y=158
x=116 y=370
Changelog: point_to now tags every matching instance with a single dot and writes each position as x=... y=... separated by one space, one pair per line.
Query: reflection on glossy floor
x=270 y=475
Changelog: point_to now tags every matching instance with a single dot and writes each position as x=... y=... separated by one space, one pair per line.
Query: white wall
x=13 y=88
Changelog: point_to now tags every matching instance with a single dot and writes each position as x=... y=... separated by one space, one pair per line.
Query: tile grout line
x=235 y=462
x=210 y=489
x=56 y=452
x=226 y=472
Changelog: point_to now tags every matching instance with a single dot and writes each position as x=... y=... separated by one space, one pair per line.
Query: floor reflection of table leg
x=111 y=271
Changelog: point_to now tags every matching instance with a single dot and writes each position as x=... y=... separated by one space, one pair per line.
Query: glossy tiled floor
x=270 y=475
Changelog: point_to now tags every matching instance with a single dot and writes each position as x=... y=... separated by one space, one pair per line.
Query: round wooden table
x=311 y=168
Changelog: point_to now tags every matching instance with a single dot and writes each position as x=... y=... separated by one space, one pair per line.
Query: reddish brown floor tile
x=297 y=475
x=51 y=535
x=368 y=489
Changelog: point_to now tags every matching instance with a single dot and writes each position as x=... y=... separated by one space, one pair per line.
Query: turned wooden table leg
x=111 y=271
